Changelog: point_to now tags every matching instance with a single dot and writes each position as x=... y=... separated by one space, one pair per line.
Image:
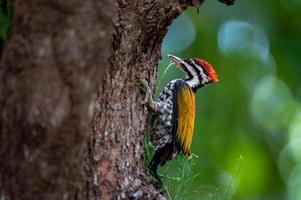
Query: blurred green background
x=247 y=138
x=6 y=9
x=247 y=141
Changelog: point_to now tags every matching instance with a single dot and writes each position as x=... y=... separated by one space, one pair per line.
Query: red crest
x=208 y=68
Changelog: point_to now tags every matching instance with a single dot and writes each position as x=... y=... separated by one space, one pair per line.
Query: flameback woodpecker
x=175 y=110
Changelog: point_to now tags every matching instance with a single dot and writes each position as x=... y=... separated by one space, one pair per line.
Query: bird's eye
x=189 y=62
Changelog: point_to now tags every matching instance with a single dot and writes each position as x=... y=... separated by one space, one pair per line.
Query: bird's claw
x=143 y=84
x=143 y=101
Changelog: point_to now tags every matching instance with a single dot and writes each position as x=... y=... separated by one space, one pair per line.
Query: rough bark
x=59 y=55
x=49 y=76
x=115 y=162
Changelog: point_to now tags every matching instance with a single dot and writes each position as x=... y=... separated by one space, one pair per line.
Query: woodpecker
x=175 y=110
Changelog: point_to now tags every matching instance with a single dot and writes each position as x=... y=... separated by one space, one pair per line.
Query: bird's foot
x=145 y=88
x=143 y=84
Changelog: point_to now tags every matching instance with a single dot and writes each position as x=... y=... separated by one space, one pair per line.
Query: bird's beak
x=178 y=61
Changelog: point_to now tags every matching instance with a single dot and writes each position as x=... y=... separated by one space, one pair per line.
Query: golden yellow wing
x=186 y=113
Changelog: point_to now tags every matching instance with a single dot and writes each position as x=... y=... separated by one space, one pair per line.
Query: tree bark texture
x=71 y=124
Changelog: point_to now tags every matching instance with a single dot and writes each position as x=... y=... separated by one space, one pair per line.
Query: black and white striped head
x=198 y=72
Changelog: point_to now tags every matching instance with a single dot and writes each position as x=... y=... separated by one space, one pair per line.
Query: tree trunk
x=55 y=143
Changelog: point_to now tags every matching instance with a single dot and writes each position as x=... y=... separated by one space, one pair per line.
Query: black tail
x=160 y=157
x=156 y=160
